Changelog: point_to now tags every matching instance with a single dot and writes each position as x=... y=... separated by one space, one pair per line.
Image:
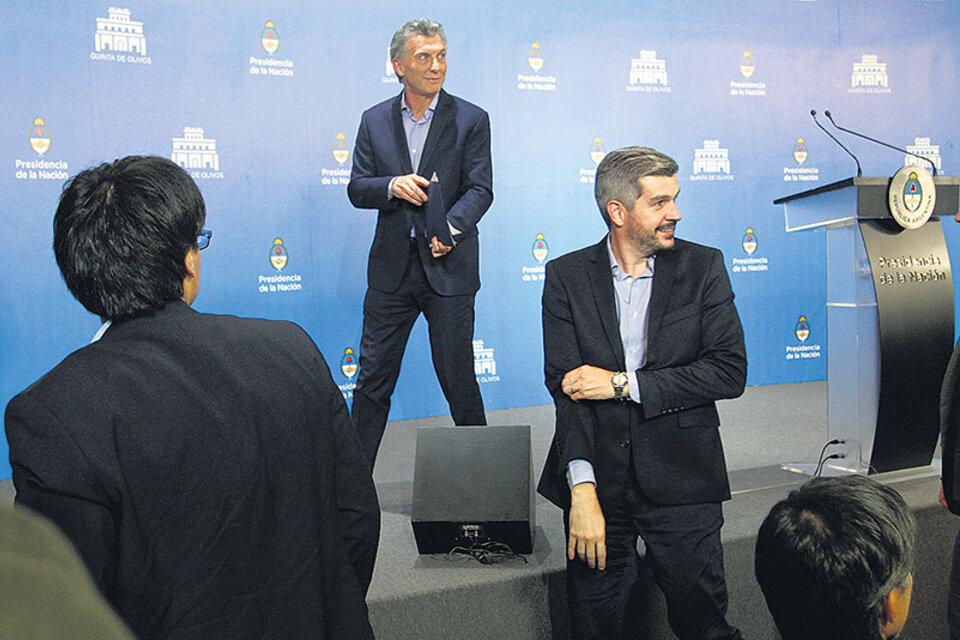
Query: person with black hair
x=205 y=466
x=834 y=560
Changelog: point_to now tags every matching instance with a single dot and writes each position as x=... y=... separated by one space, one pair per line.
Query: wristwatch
x=619 y=380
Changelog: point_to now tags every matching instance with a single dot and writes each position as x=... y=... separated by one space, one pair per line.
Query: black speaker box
x=473 y=484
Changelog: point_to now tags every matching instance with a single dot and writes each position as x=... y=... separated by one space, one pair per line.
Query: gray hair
x=417 y=26
x=619 y=173
x=829 y=554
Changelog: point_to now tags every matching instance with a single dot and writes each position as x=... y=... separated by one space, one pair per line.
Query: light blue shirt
x=633 y=307
x=416 y=132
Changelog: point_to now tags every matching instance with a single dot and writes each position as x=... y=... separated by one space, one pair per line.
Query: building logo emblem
x=390 y=75
x=278 y=255
x=340 y=150
x=540 y=248
x=747 y=67
x=711 y=159
x=269 y=38
x=535 y=57
x=749 y=242
x=597 y=152
x=869 y=72
x=800 y=153
x=484 y=364
x=647 y=69
x=922 y=147
x=119 y=33
x=39 y=136
x=802 y=330
x=193 y=151
x=348 y=363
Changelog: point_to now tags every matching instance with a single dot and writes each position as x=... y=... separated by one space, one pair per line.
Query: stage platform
x=433 y=597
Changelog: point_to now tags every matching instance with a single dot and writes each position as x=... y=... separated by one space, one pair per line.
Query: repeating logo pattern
x=348 y=363
x=648 y=73
x=540 y=248
x=341 y=153
x=197 y=154
x=269 y=38
x=535 y=57
x=40 y=136
x=802 y=330
x=278 y=255
x=747 y=66
x=800 y=151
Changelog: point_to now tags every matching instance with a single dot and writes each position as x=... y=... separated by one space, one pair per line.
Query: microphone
x=880 y=142
x=813 y=112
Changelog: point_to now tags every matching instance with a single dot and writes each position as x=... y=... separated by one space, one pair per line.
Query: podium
x=889 y=320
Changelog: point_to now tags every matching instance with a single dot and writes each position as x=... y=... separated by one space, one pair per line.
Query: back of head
x=619 y=173
x=829 y=554
x=121 y=233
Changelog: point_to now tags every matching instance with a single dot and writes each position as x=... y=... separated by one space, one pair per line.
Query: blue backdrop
x=261 y=101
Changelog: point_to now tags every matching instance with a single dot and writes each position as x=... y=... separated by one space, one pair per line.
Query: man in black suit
x=402 y=144
x=640 y=337
x=950 y=487
x=204 y=466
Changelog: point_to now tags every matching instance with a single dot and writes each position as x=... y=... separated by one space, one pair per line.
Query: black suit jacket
x=206 y=469
x=458 y=150
x=694 y=356
x=950 y=431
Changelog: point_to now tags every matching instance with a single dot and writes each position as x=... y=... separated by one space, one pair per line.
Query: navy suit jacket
x=458 y=150
x=694 y=356
x=207 y=471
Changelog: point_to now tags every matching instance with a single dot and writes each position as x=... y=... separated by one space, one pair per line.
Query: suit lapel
x=601 y=284
x=664 y=276
x=442 y=117
x=399 y=136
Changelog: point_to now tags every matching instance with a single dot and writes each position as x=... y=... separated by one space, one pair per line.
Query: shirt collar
x=102 y=330
x=619 y=274
x=427 y=114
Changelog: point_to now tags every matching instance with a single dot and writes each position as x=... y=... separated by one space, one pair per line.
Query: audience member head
x=125 y=236
x=834 y=560
x=619 y=173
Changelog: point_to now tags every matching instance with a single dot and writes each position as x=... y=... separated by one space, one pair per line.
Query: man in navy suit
x=401 y=145
x=640 y=337
x=204 y=465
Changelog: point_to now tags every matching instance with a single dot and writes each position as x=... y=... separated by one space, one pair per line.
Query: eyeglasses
x=203 y=240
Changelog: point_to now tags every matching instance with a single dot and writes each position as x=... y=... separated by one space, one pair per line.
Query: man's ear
x=616 y=212
x=397 y=69
x=895 y=607
x=192 y=263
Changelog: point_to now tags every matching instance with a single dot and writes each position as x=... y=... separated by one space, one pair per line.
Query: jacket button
x=624 y=444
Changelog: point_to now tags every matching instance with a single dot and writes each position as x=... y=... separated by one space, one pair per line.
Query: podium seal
x=911 y=196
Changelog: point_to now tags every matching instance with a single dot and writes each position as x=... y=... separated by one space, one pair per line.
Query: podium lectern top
x=861 y=198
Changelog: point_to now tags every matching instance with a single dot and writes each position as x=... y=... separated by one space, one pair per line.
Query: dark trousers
x=953 y=597
x=387 y=321
x=685 y=555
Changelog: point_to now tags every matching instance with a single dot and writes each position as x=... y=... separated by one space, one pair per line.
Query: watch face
x=619 y=378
